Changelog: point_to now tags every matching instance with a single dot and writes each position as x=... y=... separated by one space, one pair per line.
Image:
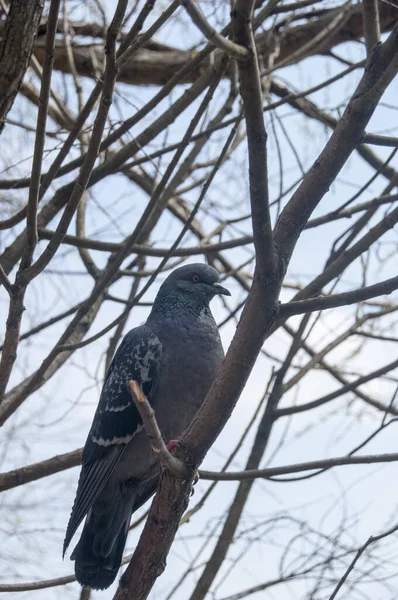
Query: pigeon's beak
x=221 y=290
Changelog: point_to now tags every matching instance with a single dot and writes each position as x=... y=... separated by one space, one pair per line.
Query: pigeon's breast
x=191 y=359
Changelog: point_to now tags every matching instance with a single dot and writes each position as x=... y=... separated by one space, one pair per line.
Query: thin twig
x=234 y=50
x=361 y=550
x=344 y=299
x=5 y=281
x=299 y=467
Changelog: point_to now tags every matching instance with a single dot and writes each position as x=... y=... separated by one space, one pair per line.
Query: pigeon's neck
x=178 y=307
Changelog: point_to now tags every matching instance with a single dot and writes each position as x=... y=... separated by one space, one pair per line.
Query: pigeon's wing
x=116 y=420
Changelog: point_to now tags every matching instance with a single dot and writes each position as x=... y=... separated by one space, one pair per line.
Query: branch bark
x=15 y=50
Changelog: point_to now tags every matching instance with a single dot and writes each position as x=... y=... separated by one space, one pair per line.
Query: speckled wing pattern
x=116 y=420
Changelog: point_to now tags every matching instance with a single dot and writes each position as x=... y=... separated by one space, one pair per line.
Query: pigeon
x=175 y=357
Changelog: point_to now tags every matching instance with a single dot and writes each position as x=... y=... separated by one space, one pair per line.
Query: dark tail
x=99 y=553
x=94 y=570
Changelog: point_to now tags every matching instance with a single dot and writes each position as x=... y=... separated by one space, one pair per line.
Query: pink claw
x=172 y=444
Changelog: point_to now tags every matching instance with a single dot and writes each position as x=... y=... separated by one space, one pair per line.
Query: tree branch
x=15 y=50
x=41 y=469
x=344 y=299
x=347 y=387
x=5 y=281
x=344 y=139
x=33 y=198
x=327 y=463
x=371 y=24
x=167 y=460
x=142 y=250
x=233 y=50
x=249 y=75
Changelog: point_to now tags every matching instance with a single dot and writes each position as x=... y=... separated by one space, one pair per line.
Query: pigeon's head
x=196 y=283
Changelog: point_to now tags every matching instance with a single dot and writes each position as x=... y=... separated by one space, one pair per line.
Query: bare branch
x=326 y=463
x=142 y=250
x=38 y=470
x=348 y=387
x=36 y=585
x=149 y=558
x=5 y=281
x=33 y=199
x=346 y=136
x=233 y=50
x=371 y=23
x=156 y=65
x=344 y=299
x=249 y=75
x=369 y=541
x=16 y=49
x=93 y=147
x=167 y=460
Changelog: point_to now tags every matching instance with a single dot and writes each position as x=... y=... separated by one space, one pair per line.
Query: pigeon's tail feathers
x=93 y=478
x=94 y=571
x=99 y=553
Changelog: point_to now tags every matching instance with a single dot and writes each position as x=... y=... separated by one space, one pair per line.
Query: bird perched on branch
x=175 y=357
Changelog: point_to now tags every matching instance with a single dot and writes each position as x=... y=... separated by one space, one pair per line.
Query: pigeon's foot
x=172 y=444
x=194 y=482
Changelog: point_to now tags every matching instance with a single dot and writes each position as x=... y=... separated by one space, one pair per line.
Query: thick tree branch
x=142 y=250
x=16 y=48
x=149 y=558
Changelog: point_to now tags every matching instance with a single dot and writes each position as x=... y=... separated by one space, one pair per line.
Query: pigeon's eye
x=195 y=278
